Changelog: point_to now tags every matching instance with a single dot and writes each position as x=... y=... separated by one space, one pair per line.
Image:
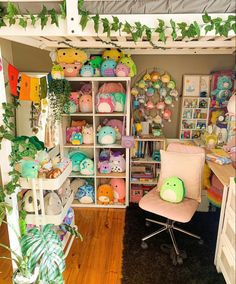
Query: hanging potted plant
x=42 y=259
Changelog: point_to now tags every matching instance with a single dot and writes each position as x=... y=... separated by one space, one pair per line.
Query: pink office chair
x=187 y=163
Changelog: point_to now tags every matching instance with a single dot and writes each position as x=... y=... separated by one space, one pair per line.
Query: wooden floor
x=96 y=260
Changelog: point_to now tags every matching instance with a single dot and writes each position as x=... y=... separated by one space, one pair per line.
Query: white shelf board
x=77 y=114
x=110 y=114
x=76 y=204
x=49 y=184
x=108 y=146
x=78 y=175
x=144 y=182
x=98 y=79
x=68 y=145
x=111 y=175
x=144 y=160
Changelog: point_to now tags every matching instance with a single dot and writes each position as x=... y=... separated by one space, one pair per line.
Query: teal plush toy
x=223 y=91
x=29 y=169
x=173 y=190
x=76 y=158
x=86 y=167
x=128 y=61
x=119 y=101
x=106 y=135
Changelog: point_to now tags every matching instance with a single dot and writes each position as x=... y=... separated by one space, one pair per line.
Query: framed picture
x=196 y=85
x=191 y=85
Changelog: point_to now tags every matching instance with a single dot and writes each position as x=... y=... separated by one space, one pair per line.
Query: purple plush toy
x=117 y=162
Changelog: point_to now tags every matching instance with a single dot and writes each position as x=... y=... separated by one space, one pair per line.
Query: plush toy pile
x=81 y=163
x=111 y=162
x=73 y=62
x=153 y=98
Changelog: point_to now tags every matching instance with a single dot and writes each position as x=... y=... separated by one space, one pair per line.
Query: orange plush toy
x=105 y=194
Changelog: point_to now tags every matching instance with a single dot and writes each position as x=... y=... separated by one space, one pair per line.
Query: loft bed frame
x=69 y=33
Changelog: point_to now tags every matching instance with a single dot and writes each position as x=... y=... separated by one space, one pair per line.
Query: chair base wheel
x=201 y=242
x=144 y=245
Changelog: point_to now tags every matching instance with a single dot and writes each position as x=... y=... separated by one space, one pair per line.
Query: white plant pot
x=20 y=279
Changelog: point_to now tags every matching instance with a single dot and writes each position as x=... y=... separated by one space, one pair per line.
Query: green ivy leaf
x=54 y=17
x=127 y=28
x=11 y=10
x=8 y=136
x=234 y=27
x=161 y=23
x=96 y=22
x=206 y=18
x=62 y=7
x=23 y=23
x=115 y=25
x=148 y=33
x=106 y=26
x=2 y=23
x=197 y=28
x=12 y=21
x=162 y=36
x=208 y=28
x=84 y=20
x=173 y=26
x=43 y=17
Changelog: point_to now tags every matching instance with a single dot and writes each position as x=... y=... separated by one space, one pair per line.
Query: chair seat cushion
x=180 y=212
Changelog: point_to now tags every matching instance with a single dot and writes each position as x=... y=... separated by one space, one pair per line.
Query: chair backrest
x=187 y=163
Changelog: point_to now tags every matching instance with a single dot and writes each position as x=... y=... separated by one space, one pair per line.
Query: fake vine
x=12 y=15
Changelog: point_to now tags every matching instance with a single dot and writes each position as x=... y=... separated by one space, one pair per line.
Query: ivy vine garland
x=221 y=27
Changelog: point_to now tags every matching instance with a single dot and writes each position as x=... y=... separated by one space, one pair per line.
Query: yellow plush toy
x=71 y=55
x=206 y=177
x=215 y=114
x=112 y=53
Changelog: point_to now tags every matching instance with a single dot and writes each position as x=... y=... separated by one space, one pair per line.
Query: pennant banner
x=43 y=87
x=13 y=74
x=34 y=90
x=25 y=88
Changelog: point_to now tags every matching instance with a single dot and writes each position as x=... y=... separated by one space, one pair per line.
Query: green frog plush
x=128 y=61
x=173 y=190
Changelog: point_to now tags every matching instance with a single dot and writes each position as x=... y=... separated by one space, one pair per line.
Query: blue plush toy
x=85 y=194
x=87 y=71
x=77 y=158
x=76 y=138
x=223 y=91
x=86 y=167
x=106 y=135
x=29 y=169
x=108 y=68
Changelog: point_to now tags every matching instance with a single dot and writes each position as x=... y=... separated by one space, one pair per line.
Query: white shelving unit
x=194 y=117
x=94 y=149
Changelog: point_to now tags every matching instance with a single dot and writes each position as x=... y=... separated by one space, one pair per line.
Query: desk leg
x=221 y=222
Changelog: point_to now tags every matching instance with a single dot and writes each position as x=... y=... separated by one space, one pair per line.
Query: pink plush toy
x=167 y=114
x=71 y=70
x=108 y=88
x=86 y=89
x=117 y=162
x=118 y=185
x=85 y=103
x=104 y=103
x=70 y=131
x=74 y=96
x=122 y=70
x=161 y=106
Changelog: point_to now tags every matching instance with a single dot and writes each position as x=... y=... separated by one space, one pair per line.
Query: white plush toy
x=28 y=203
x=53 y=204
x=76 y=184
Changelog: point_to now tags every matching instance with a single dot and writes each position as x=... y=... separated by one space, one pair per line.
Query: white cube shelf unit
x=92 y=150
x=194 y=117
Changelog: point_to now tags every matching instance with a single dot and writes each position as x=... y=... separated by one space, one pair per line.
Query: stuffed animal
x=108 y=68
x=57 y=72
x=77 y=183
x=167 y=114
x=118 y=163
x=104 y=167
x=71 y=70
x=86 y=167
x=115 y=124
x=154 y=76
x=76 y=158
x=43 y=159
x=171 y=85
x=76 y=138
x=105 y=194
x=78 y=123
x=70 y=131
x=67 y=220
x=86 y=89
x=165 y=78
x=111 y=87
x=53 y=173
x=104 y=103
x=119 y=101
x=169 y=100
x=85 y=194
x=231 y=106
x=106 y=135
x=206 y=176
x=29 y=168
x=128 y=61
x=104 y=155
x=71 y=55
x=223 y=90
x=122 y=70
x=161 y=106
x=87 y=132
x=65 y=192
x=173 y=190
x=112 y=53
x=118 y=185
x=96 y=62
x=52 y=203
x=70 y=107
x=86 y=104
x=28 y=203
x=87 y=71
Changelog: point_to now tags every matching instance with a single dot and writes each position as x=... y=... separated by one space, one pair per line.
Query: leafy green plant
x=59 y=93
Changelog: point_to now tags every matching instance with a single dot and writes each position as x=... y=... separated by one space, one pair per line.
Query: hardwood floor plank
x=96 y=260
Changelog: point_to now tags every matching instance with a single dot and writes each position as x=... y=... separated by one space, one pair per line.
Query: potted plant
x=42 y=259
